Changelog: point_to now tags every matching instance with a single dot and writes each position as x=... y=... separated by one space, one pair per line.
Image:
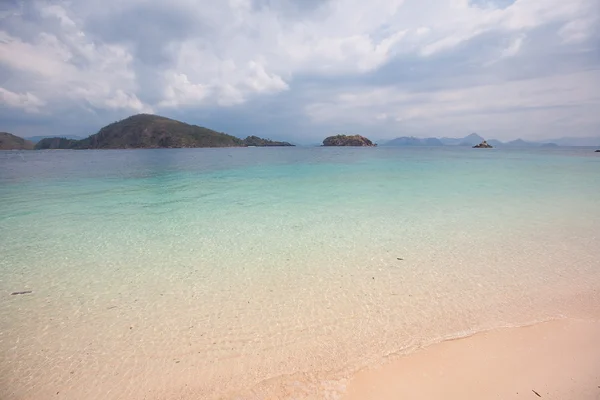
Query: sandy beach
x=553 y=360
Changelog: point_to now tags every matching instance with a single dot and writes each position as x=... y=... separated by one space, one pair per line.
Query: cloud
x=514 y=47
x=64 y=65
x=25 y=101
x=579 y=30
x=321 y=64
x=564 y=91
x=536 y=107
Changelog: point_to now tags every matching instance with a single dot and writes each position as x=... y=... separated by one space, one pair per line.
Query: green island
x=141 y=131
x=9 y=141
x=348 y=140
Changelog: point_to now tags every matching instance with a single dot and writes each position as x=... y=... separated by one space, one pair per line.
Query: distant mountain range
x=412 y=141
x=471 y=140
x=577 y=141
x=142 y=131
x=474 y=139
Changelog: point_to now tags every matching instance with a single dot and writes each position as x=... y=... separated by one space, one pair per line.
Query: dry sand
x=553 y=360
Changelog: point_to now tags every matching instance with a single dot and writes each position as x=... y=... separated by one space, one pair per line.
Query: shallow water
x=208 y=273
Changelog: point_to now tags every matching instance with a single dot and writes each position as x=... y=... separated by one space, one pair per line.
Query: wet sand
x=553 y=360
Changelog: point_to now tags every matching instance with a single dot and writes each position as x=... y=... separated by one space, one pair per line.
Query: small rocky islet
x=348 y=140
x=483 y=145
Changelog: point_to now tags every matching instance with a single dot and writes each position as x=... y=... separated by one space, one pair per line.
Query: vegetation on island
x=55 y=143
x=8 y=141
x=346 y=140
x=36 y=139
x=260 y=142
x=146 y=131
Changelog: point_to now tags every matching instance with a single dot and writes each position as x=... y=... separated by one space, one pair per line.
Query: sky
x=300 y=70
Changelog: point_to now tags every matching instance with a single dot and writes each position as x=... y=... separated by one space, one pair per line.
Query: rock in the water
x=597 y=151
x=346 y=140
x=483 y=145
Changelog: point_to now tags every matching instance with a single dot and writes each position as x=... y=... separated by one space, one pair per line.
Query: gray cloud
x=290 y=8
x=149 y=28
x=492 y=3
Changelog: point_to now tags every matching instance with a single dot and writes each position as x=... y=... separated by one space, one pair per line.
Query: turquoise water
x=203 y=272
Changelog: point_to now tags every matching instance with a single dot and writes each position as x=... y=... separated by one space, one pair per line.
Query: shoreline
x=356 y=382
x=182 y=377
x=557 y=359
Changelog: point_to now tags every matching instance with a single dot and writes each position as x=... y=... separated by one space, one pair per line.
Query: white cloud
x=260 y=81
x=578 y=30
x=249 y=52
x=511 y=50
x=25 y=101
x=460 y=21
x=68 y=66
x=514 y=47
x=59 y=13
x=45 y=57
x=180 y=91
x=122 y=100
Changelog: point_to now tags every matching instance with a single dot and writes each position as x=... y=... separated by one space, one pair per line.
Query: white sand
x=557 y=359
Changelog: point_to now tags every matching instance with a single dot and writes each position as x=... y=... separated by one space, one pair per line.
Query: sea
x=277 y=273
